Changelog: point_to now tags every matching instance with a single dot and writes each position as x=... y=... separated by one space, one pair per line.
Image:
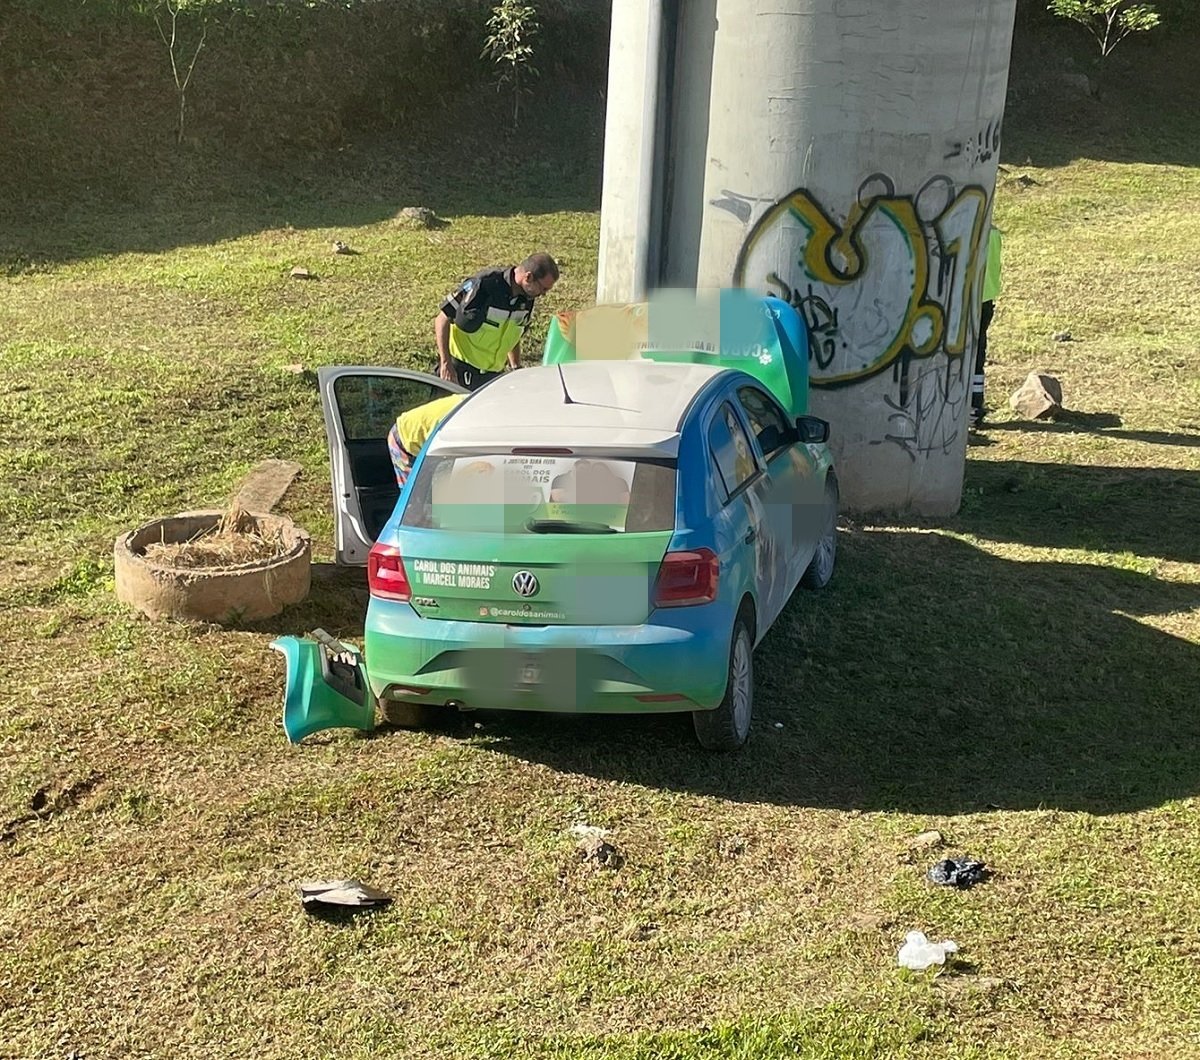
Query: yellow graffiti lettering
x=864 y=286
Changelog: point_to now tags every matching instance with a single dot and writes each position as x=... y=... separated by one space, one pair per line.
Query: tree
x=173 y=9
x=1109 y=21
x=512 y=27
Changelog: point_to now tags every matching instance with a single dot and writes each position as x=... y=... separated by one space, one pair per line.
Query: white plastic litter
x=589 y=831
x=918 y=953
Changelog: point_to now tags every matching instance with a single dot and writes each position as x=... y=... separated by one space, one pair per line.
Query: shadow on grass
x=553 y=166
x=1149 y=511
x=336 y=603
x=933 y=677
x=1137 y=116
x=1098 y=424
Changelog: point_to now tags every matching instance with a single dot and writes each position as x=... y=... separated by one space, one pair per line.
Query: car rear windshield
x=489 y=492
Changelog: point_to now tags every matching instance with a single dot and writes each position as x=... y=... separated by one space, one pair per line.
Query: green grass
x=1023 y=677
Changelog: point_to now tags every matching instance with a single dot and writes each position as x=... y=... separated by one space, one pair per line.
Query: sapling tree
x=512 y=28
x=1108 y=21
x=166 y=18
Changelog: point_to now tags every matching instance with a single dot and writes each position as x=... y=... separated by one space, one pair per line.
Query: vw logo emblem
x=525 y=583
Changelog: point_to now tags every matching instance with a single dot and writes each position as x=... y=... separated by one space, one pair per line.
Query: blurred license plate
x=530 y=673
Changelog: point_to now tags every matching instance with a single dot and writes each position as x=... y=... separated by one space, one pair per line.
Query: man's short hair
x=540 y=265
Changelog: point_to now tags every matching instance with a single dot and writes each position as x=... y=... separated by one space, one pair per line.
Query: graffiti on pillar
x=925 y=416
x=891 y=284
x=979 y=147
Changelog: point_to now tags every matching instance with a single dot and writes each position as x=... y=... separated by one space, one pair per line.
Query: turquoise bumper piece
x=326 y=686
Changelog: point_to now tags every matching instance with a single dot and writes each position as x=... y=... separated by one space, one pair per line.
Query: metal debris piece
x=341 y=892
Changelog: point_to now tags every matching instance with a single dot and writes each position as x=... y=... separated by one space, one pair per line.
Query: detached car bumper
x=677 y=661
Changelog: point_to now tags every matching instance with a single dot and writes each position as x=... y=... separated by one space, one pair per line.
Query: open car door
x=360 y=404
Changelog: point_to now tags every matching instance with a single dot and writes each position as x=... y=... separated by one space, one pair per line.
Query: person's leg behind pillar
x=977 y=407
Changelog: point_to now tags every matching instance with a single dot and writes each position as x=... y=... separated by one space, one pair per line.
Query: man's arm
x=441 y=333
x=514 y=357
x=466 y=309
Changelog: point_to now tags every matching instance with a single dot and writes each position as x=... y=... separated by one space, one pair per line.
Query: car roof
x=634 y=406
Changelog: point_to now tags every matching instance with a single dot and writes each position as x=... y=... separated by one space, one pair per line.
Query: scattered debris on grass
x=301 y=273
x=593 y=846
x=351 y=893
x=237 y=538
x=1062 y=336
x=958 y=872
x=342 y=248
x=927 y=840
x=43 y=807
x=918 y=953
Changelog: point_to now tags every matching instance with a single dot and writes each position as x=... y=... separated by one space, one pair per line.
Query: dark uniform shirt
x=486 y=319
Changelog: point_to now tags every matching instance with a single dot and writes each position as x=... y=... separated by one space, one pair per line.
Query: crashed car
x=593 y=534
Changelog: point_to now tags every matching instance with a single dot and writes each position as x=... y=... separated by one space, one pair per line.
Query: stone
x=301 y=273
x=1080 y=83
x=418 y=217
x=265 y=485
x=1039 y=397
x=927 y=840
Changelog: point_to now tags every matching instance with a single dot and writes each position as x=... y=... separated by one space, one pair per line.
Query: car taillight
x=386 y=575
x=687 y=578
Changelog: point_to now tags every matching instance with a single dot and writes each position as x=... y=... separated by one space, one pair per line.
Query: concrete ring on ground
x=247 y=591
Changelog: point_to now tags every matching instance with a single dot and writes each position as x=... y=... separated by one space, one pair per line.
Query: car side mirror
x=812 y=431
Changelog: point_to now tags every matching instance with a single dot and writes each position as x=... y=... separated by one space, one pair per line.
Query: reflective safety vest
x=486 y=319
x=991 y=274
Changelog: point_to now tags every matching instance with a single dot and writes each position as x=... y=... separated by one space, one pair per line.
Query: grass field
x=1024 y=677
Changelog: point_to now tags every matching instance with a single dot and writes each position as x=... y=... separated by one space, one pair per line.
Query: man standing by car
x=480 y=325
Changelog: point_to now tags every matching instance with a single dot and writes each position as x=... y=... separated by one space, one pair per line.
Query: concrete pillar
x=629 y=202
x=842 y=154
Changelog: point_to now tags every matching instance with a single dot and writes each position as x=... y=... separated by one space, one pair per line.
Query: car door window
x=360 y=404
x=369 y=404
x=767 y=420
x=731 y=450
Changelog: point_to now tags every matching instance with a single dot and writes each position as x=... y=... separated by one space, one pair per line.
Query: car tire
x=407 y=715
x=727 y=727
x=820 y=568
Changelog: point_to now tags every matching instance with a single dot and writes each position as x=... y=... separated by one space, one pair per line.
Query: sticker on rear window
x=553 y=488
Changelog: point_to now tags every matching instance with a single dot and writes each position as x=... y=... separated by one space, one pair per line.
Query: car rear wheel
x=727 y=727
x=820 y=569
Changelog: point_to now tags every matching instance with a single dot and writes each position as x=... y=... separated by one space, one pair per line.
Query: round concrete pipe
x=246 y=591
